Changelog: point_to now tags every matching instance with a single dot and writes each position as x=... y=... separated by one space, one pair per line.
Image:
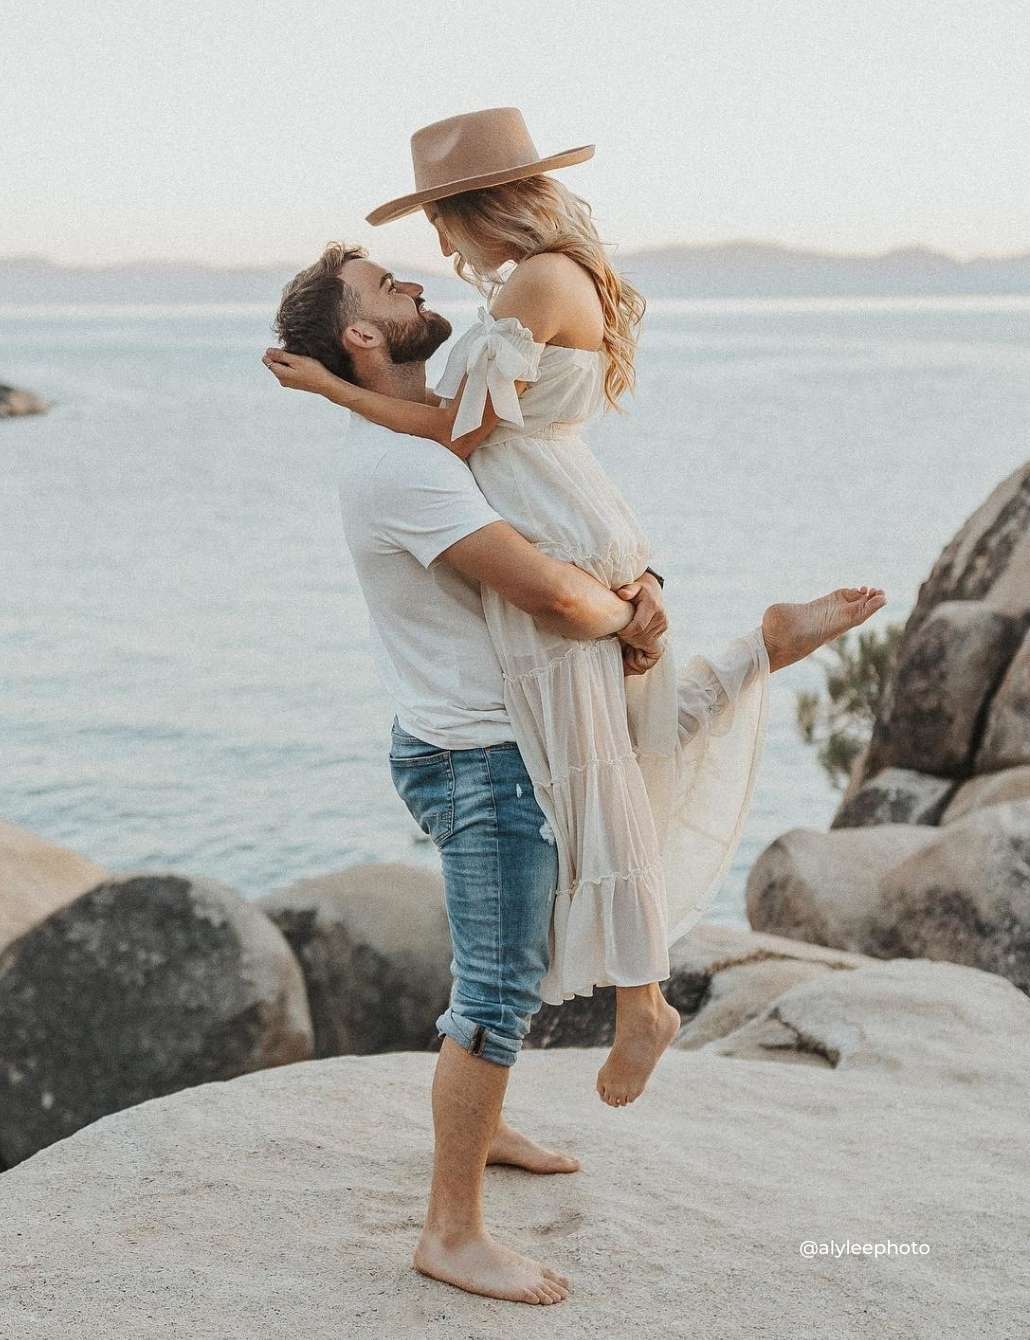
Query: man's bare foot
x=645 y=1024
x=478 y=1264
x=511 y=1146
x=794 y=631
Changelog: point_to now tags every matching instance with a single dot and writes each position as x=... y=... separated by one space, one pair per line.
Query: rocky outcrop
x=988 y=562
x=949 y=754
x=288 y=1203
x=14 y=402
x=36 y=878
x=144 y=985
x=374 y=947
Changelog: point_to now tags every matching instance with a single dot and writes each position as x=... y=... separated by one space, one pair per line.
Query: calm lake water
x=186 y=681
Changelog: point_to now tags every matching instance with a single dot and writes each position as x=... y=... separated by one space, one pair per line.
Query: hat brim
x=408 y=204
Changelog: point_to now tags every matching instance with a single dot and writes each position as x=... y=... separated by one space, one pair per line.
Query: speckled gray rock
x=946 y=673
x=964 y=898
x=993 y=788
x=896 y=796
x=375 y=949
x=1006 y=735
x=14 y=402
x=825 y=887
x=36 y=878
x=144 y=985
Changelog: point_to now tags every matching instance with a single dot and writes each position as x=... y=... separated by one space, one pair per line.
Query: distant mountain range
x=725 y=270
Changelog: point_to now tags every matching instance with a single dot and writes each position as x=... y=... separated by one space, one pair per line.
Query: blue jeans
x=500 y=869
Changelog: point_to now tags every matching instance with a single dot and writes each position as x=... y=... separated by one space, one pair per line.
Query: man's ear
x=362 y=335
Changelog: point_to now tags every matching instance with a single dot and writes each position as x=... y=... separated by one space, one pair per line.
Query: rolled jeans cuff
x=477 y=1039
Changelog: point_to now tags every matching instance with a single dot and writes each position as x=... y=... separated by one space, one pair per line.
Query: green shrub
x=857 y=666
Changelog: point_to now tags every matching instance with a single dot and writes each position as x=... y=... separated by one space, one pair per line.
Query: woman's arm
x=415 y=418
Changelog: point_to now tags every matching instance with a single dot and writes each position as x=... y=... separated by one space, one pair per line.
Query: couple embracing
x=585 y=792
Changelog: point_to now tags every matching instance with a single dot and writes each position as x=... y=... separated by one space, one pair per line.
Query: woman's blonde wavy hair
x=540 y=214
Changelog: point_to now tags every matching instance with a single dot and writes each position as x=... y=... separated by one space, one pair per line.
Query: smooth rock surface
x=825 y=887
x=991 y=789
x=144 y=985
x=734 y=974
x=36 y=878
x=287 y=1203
x=375 y=949
x=895 y=796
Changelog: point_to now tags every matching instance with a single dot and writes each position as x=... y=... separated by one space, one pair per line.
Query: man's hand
x=643 y=639
x=649 y=621
x=297 y=372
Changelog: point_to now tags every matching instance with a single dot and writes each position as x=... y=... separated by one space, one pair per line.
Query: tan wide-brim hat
x=470 y=152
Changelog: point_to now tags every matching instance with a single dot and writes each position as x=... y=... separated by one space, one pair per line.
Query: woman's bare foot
x=795 y=631
x=511 y=1146
x=645 y=1024
x=474 y=1262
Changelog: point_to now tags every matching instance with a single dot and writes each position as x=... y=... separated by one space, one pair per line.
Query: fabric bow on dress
x=496 y=353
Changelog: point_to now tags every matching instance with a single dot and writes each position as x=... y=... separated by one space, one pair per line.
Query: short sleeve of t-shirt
x=424 y=499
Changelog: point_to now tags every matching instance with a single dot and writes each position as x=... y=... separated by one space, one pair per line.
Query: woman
x=645 y=775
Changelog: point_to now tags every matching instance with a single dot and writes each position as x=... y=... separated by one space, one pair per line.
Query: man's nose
x=412 y=289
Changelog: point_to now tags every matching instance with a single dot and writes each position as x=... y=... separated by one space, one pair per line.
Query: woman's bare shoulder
x=559 y=293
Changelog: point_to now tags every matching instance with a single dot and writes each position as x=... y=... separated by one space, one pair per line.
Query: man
x=423 y=539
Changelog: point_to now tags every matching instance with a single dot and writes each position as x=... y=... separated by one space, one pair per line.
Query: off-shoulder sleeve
x=494 y=355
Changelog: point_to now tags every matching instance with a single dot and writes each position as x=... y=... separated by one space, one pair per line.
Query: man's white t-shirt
x=404 y=500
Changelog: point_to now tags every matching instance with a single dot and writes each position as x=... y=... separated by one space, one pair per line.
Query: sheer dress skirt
x=645 y=783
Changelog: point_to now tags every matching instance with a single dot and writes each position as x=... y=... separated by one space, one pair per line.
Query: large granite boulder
x=144 y=985
x=959 y=892
x=288 y=1203
x=825 y=887
x=14 y=402
x=964 y=898
x=945 y=675
x=1006 y=735
x=375 y=949
x=895 y=796
x=949 y=756
x=36 y=878
x=993 y=788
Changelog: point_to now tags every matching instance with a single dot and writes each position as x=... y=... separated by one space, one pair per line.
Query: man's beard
x=417 y=340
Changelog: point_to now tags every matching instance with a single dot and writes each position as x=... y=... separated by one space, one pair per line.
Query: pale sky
x=240 y=133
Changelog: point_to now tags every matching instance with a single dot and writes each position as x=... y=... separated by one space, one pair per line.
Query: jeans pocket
x=423 y=777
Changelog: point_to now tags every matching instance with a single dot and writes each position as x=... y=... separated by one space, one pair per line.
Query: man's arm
x=558 y=595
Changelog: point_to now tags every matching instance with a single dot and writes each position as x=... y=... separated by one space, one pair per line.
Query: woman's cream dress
x=645 y=780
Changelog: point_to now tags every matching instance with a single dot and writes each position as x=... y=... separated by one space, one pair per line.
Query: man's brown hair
x=316 y=308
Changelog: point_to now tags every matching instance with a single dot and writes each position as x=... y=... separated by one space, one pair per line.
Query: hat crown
x=476 y=144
